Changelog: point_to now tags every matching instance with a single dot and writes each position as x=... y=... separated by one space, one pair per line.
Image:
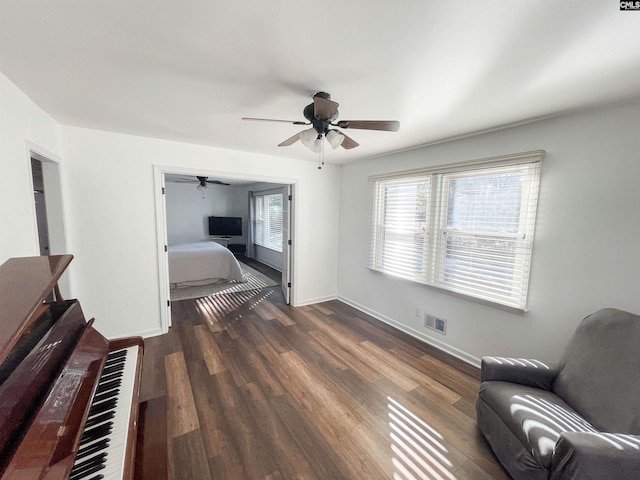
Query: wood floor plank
x=206 y=407
x=247 y=387
x=247 y=438
x=347 y=355
x=277 y=341
x=308 y=348
x=268 y=311
x=330 y=325
x=323 y=309
x=247 y=329
x=181 y=411
x=401 y=374
x=288 y=457
x=265 y=377
x=325 y=354
x=312 y=444
x=237 y=363
x=210 y=351
x=321 y=390
x=153 y=383
x=426 y=381
x=187 y=451
x=470 y=471
x=289 y=380
x=357 y=461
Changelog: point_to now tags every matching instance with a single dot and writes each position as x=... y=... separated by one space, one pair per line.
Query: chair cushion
x=535 y=417
x=599 y=373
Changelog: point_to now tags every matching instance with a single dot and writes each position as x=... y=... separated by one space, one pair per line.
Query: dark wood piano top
x=24 y=285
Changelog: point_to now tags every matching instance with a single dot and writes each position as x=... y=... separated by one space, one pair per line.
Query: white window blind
x=400 y=226
x=467 y=229
x=268 y=220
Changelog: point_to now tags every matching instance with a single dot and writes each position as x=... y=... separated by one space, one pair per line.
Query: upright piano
x=68 y=396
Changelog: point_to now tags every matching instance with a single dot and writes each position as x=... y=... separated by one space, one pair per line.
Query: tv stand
x=223 y=240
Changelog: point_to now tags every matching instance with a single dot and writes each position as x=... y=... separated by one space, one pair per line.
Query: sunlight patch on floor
x=418 y=450
x=217 y=307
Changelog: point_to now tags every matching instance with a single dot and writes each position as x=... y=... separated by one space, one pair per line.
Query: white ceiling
x=189 y=70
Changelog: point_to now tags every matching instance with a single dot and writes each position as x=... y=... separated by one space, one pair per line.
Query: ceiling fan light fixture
x=334 y=138
x=308 y=137
x=316 y=145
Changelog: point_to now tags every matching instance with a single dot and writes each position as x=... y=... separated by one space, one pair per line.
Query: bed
x=202 y=263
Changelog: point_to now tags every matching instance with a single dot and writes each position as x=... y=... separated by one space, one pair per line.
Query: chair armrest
x=532 y=373
x=596 y=456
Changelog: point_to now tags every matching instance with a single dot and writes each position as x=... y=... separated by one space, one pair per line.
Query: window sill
x=464 y=296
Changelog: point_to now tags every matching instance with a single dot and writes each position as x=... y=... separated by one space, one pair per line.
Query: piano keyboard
x=103 y=443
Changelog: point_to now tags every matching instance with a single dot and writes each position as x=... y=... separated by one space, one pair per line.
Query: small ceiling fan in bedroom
x=322 y=114
x=201 y=182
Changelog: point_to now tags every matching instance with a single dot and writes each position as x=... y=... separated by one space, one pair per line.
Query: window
x=465 y=228
x=268 y=219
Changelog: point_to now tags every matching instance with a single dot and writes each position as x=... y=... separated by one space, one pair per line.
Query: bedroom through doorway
x=228 y=243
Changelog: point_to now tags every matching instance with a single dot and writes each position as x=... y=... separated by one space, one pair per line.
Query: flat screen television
x=225 y=226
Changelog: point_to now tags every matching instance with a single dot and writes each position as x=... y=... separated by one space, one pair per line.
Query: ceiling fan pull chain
x=321 y=154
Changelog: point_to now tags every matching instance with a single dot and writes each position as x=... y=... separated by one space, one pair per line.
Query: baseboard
x=311 y=301
x=460 y=354
x=147 y=333
x=278 y=268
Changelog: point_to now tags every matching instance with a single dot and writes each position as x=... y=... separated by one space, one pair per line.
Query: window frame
x=262 y=218
x=437 y=228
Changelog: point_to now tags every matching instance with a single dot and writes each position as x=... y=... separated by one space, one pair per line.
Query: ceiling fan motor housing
x=203 y=181
x=321 y=125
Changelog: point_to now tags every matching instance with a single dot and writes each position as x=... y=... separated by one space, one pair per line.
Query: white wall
x=112 y=228
x=585 y=254
x=22 y=124
x=188 y=210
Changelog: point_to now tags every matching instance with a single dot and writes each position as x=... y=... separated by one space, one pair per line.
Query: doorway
x=40 y=202
x=48 y=209
x=225 y=195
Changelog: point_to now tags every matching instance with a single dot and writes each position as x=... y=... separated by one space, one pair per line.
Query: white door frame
x=52 y=177
x=287 y=243
x=159 y=172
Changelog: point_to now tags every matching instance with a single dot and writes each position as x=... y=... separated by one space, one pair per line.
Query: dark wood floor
x=260 y=390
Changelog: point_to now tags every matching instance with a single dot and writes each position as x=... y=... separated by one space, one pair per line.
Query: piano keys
x=68 y=396
x=107 y=427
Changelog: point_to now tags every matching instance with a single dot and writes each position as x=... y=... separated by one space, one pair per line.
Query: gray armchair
x=578 y=420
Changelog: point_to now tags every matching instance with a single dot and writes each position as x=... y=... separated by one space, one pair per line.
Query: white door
x=163 y=246
x=286 y=243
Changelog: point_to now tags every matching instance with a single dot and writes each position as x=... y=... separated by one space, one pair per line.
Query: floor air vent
x=435 y=323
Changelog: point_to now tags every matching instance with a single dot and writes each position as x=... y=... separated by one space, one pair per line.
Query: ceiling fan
x=201 y=181
x=322 y=114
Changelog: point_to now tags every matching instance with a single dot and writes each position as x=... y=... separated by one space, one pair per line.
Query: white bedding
x=201 y=263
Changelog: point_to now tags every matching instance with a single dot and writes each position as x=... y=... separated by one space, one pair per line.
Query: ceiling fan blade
x=324 y=109
x=387 y=125
x=294 y=122
x=348 y=142
x=217 y=182
x=290 y=140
